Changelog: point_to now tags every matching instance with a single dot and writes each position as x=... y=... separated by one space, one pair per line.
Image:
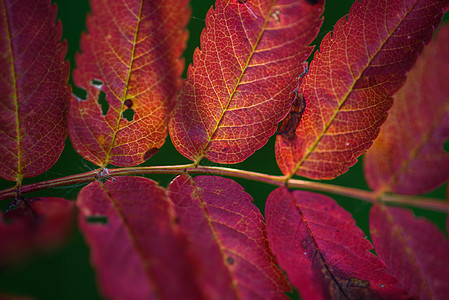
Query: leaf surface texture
x=130 y=69
x=33 y=88
x=226 y=230
x=348 y=88
x=323 y=252
x=241 y=82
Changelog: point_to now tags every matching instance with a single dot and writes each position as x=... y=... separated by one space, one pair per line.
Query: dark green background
x=66 y=273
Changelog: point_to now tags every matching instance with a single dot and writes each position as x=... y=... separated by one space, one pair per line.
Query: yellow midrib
x=231 y=95
x=19 y=175
x=350 y=90
x=125 y=90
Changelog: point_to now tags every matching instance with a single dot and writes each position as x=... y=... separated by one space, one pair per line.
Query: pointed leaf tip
x=226 y=231
x=33 y=88
x=350 y=82
x=324 y=253
x=130 y=67
x=240 y=84
x=410 y=158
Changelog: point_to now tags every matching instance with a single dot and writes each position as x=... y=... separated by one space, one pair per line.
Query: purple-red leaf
x=408 y=156
x=33 y=88
x=324 y=253
x=136 y=246
x=226 y=231
x=241 y=82
x=415 y=251
x=34 y=224
x=348 y=88
x=130 y=69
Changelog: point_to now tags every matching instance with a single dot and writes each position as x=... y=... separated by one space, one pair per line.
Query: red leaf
x=226 y=231
x=415 y=251
x=323 y=252
x=410 y=158
x=136 y=246
x=240 y=84
x=132 y=55
x=350 y=82
x=33 y=88
x=35 y=224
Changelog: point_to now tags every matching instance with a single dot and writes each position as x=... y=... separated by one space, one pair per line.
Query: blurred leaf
x=408 y=156
x=415 y=251
x=324 y=253
x=227 y=234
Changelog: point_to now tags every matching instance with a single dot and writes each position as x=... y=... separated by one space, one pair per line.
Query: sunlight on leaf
x=33 y=88
x=348 y=88
x=131 y=53
x=242 y=79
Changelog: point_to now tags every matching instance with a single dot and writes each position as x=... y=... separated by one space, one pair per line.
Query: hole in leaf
x=230 y=260
x=128 y=114
x=446 y=146
x=97 y=83
x=150 y=153
x=97 y=220
x=79 y=93
x=312 y=2
x=128 y=103
x=103 y=103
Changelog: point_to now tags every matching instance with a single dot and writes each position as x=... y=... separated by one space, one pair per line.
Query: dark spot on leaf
x=305 y=244
x=128 y=103
x=287 y=127
x=150 y=153
x=97 y=220
x=312 y=2
x=79 y=93
x=176 y=220
x=242 y=1
x=230 y=260
x=128 y=114
x=103 y=103
x=446 y=146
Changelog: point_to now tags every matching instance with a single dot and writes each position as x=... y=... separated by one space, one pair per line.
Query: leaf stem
x=369 y=196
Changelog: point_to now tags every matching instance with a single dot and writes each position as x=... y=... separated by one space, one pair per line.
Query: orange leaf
x=240 y=84
x=130 y=68
x=350 y=82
